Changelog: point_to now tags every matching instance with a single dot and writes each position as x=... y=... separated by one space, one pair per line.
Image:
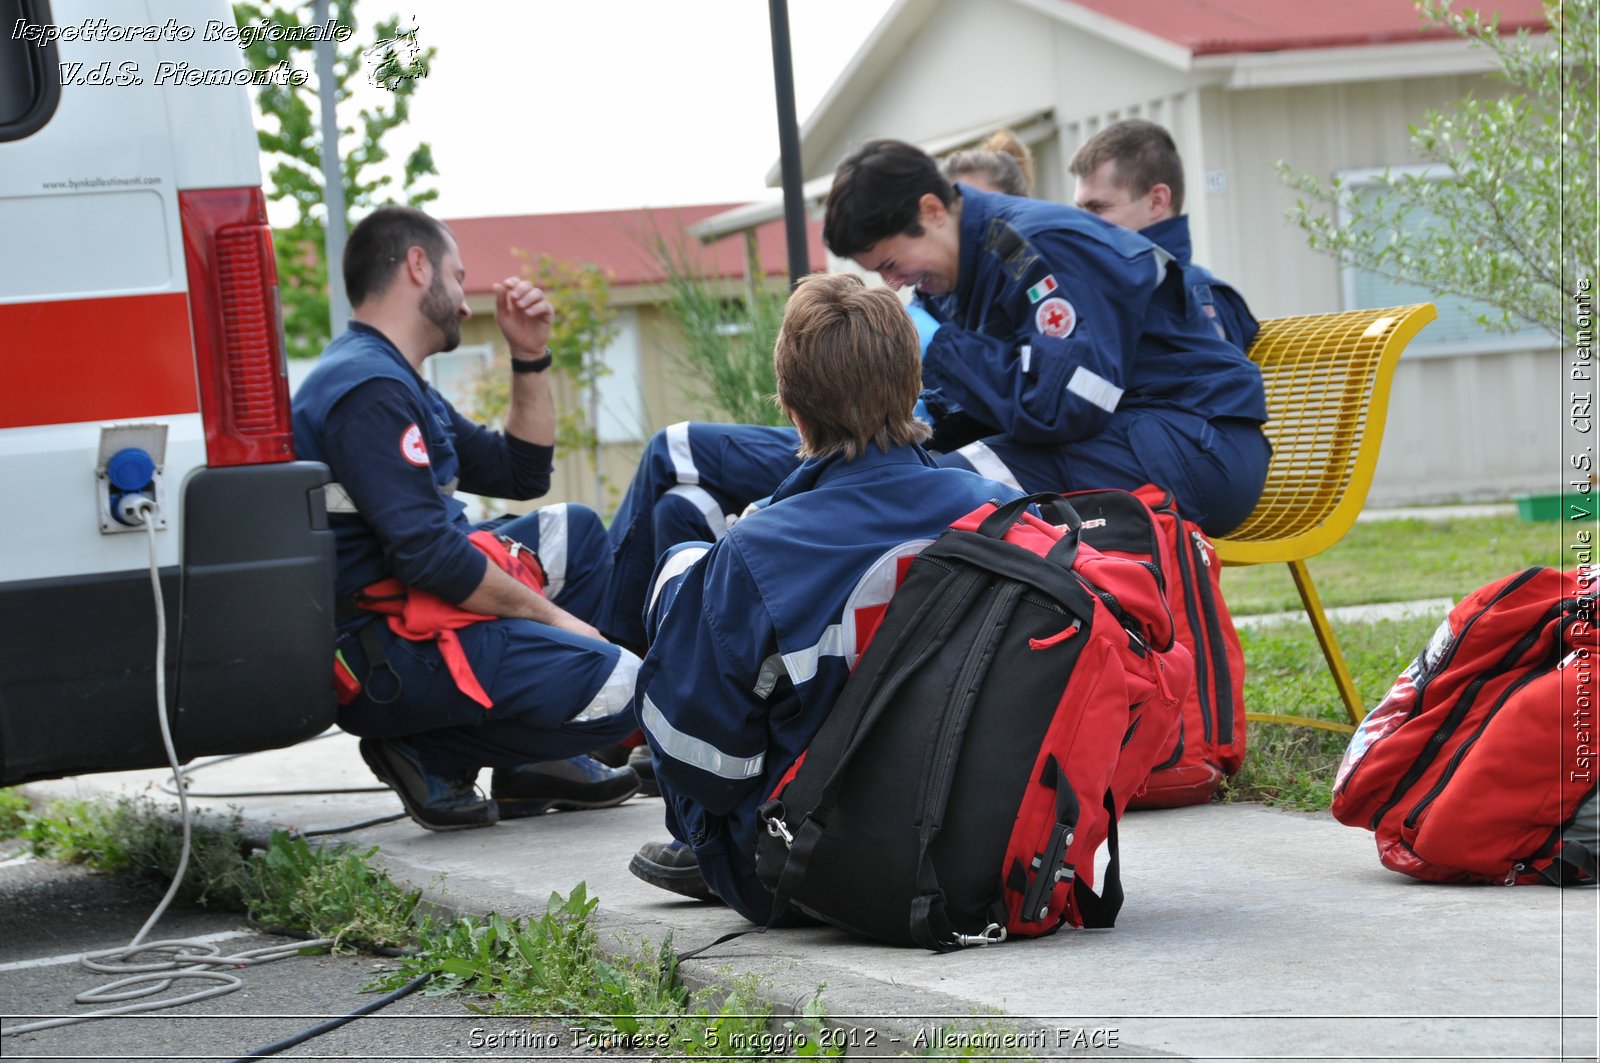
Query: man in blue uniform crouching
x=752 y=638
x=470 y=649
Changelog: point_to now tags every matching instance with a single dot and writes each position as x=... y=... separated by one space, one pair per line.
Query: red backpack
x=1144 y=525
x=1476 y=763
x=1016 y=693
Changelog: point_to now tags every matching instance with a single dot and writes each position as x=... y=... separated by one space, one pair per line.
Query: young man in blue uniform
x=1061 y=353
x=515 y=680
x=1130 y=174
x=752 y=638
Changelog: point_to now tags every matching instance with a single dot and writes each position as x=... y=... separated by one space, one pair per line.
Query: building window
x=1456 y=330
x=455 y=374
x=617 y=405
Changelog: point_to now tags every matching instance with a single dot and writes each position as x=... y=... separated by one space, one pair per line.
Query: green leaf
x=458 y=967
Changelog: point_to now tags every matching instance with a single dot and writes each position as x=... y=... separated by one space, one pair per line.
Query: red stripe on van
x=96 y=360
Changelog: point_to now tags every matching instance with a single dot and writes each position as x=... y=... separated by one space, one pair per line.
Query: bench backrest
x=1327 y=378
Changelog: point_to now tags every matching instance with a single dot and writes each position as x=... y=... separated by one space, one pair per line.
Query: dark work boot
x=639 y=760
x=671 y=865
x=616 y=754
x=546 y=785
x=437 y=802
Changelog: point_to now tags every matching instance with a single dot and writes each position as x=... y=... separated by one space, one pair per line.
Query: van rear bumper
x=250 y=637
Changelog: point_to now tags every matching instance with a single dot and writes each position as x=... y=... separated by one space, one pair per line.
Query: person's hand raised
x=524 y=316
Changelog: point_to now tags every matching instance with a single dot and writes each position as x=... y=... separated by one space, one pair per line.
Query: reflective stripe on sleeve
x=553 y=547
x=701 y=499
x=678 y=449
x=694 y=752
x=1095 y=389
x=986 y=462
x=675 y=565
x=615 y=696
x=800 y=665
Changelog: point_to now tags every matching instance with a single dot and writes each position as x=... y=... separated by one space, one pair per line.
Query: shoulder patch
x=1016 y=255
x=412 y=448
x=1056 y=317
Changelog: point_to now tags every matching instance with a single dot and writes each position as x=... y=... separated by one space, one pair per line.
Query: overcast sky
x=568 y=105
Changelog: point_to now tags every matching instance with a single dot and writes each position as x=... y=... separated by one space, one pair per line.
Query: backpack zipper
x=1222 y=676
x=1461 y=751
x=1425 y=758
x=1191 y=607
x=971 y=670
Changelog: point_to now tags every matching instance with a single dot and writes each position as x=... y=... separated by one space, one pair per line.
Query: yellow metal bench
x=1327 y=378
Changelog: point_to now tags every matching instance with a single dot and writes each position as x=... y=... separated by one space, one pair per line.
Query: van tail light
x=238 y=347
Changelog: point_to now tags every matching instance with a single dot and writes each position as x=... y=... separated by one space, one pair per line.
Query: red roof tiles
x=1223 y=27
x=616 y=240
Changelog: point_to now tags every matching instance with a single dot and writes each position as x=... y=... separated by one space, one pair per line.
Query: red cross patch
x=412 y=448
x=1055 y=317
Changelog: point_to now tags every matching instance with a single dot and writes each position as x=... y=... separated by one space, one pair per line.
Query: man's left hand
x=524 y=316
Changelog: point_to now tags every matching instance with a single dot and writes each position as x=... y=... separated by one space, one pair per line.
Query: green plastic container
x=1573 y=507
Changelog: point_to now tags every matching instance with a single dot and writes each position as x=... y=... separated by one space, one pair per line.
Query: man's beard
x=446 y=316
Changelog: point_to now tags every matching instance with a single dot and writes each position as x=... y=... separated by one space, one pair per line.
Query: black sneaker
x=436 y=802
x=671 y=865
x=549 y=785
x=639 y=760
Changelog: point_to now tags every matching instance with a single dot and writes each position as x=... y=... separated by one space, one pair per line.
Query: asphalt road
x=50 y=914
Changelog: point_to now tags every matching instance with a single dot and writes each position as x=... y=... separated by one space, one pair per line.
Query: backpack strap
x=1101 y=911
x=936 y=611
x=1574 y=865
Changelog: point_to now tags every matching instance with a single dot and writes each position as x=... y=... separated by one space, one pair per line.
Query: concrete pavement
x=1248 y=933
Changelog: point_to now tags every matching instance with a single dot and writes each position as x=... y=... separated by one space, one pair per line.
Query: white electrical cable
x=191 y=958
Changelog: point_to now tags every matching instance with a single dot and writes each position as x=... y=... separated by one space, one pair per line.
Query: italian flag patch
x=1042 y=289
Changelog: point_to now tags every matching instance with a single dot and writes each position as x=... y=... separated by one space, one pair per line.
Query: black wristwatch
x=533 y=365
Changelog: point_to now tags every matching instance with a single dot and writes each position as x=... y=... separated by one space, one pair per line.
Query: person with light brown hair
x=1130 y=174
x=1002 y=163
x=840 y=401
x=752 y=638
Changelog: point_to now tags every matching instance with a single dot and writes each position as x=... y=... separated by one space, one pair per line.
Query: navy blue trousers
x=690 y=476
x=695 y=473
x=555 y=694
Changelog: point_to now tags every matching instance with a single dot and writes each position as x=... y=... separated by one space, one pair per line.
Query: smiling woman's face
x=928 y=262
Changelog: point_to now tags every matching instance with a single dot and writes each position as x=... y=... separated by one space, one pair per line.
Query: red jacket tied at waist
x=420 y=616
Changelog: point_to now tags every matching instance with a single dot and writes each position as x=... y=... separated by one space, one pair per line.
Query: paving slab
x=1248 y=933
x=1436 y=608
x=1450 y=512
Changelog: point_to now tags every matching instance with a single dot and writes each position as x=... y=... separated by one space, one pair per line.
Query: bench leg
x=1330 y=646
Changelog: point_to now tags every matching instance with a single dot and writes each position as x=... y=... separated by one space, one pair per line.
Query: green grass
x=131 y=836
x=328 y=891
x=1285 y=674
x=13 y=814
x=1402 y=561
x=632 y=1000
x=553 y=964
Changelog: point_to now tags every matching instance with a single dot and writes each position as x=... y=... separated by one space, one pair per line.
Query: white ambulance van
x=142 y=380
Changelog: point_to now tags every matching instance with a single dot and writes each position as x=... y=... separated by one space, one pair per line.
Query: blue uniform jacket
x=400 y=450
x=1220 y=303
x=753 y=643
x=1060 y=320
